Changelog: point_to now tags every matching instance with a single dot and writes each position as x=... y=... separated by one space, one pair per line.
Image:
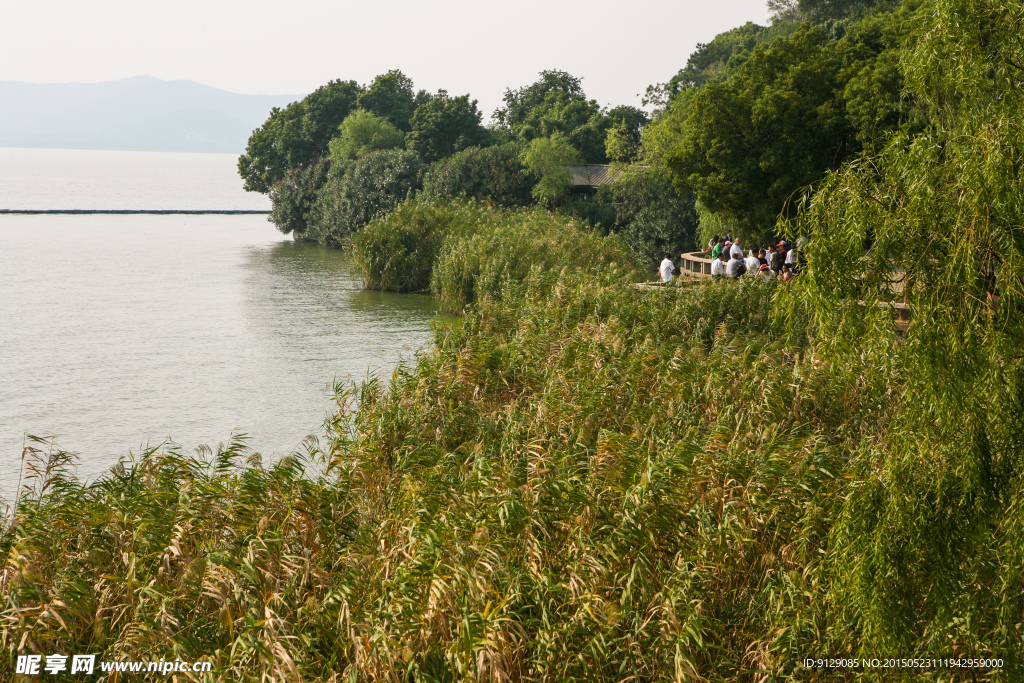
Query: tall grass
x=579 y=482
x=397 y=252
x=469 y=251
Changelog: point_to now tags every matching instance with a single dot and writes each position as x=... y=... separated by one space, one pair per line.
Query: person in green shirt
x=717 y=249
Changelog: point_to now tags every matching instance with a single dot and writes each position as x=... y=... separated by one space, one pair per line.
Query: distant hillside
x=141 y=113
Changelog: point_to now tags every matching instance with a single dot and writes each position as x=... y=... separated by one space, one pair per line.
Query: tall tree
x=777 y=125
x=390 y=96
x=519 y=103
x=444 y=126
x=577 y=119
x=622 y=142
x=550 y=160
x=296 y=136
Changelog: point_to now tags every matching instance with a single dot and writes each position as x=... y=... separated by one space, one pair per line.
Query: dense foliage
x=361 y=191
x=796 y=108
x=296 y=136
x=467 y=251
x=293 y=198
x=649 y=215
x=361 y=133
x=524 y=158
x=942 y=211
x=445 y=125
x=495 y=174
x=391 y=96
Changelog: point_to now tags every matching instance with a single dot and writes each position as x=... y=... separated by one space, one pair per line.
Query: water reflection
x=304 y=302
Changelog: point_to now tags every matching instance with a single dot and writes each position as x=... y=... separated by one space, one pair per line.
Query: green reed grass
x=579 y=482
x=466 y=251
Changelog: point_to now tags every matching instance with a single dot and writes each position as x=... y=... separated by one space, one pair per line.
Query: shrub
x=468 y=251
x=368 y=188
x=495 y=174
x=293 y=197
x=482 y=263
x=650 y=215
x=396 y=253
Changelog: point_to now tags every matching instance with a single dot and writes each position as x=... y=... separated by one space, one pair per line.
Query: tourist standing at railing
x=666 y=269
x=717 y=249
x=791 y=259
x=735 y=249
x=780 y=258
x=770 y=258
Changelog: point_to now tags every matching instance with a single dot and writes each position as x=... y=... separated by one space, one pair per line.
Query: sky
x=276 y=48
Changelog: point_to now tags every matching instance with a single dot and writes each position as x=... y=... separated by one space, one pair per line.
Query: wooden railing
x=696 y=264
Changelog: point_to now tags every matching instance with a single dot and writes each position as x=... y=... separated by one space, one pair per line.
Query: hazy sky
x=263 y=47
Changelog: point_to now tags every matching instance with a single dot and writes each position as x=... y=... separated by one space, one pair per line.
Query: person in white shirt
x=666 y=269
x=718 y=265
x=735 y=250
x=753 y=263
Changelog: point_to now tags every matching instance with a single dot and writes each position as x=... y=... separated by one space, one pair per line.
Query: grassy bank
x=578 y=482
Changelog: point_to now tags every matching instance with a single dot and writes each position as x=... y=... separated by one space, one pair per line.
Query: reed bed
x=578 y=482
x=465 y=250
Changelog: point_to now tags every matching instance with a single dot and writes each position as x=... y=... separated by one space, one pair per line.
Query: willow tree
x=928 y=551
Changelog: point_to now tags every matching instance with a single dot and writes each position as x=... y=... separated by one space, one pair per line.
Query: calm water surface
x=117 y=331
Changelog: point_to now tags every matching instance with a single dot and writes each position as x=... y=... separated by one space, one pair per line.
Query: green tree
x=519 y=103
x=295 y=136
x=444 y=126
x=577 y=119
x=833 y=10
x=391 y=96
x=777 y=125
x=495 y=174
x=551 y=160
x=623 y=139
x=361 y=133
x=369 y=187
x=650 y=215
x=717 y=60
x=293 y=196
x=937 y=513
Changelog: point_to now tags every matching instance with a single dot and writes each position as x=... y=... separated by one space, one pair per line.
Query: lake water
x=118 y=331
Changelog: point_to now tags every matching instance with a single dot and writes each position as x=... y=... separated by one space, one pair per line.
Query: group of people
x=729 y=260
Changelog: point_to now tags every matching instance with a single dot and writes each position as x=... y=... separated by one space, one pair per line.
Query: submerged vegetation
x=586 y=481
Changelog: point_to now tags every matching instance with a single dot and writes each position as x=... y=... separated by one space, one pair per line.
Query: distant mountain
x=141 y=113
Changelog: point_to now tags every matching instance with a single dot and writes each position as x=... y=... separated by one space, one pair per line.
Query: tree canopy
x=795 y=109
x=519 y=103
x=494 y=174
x=391 y=96
x=361 y=133
x=445 y=125
x=550 y=159
x=297 y=135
